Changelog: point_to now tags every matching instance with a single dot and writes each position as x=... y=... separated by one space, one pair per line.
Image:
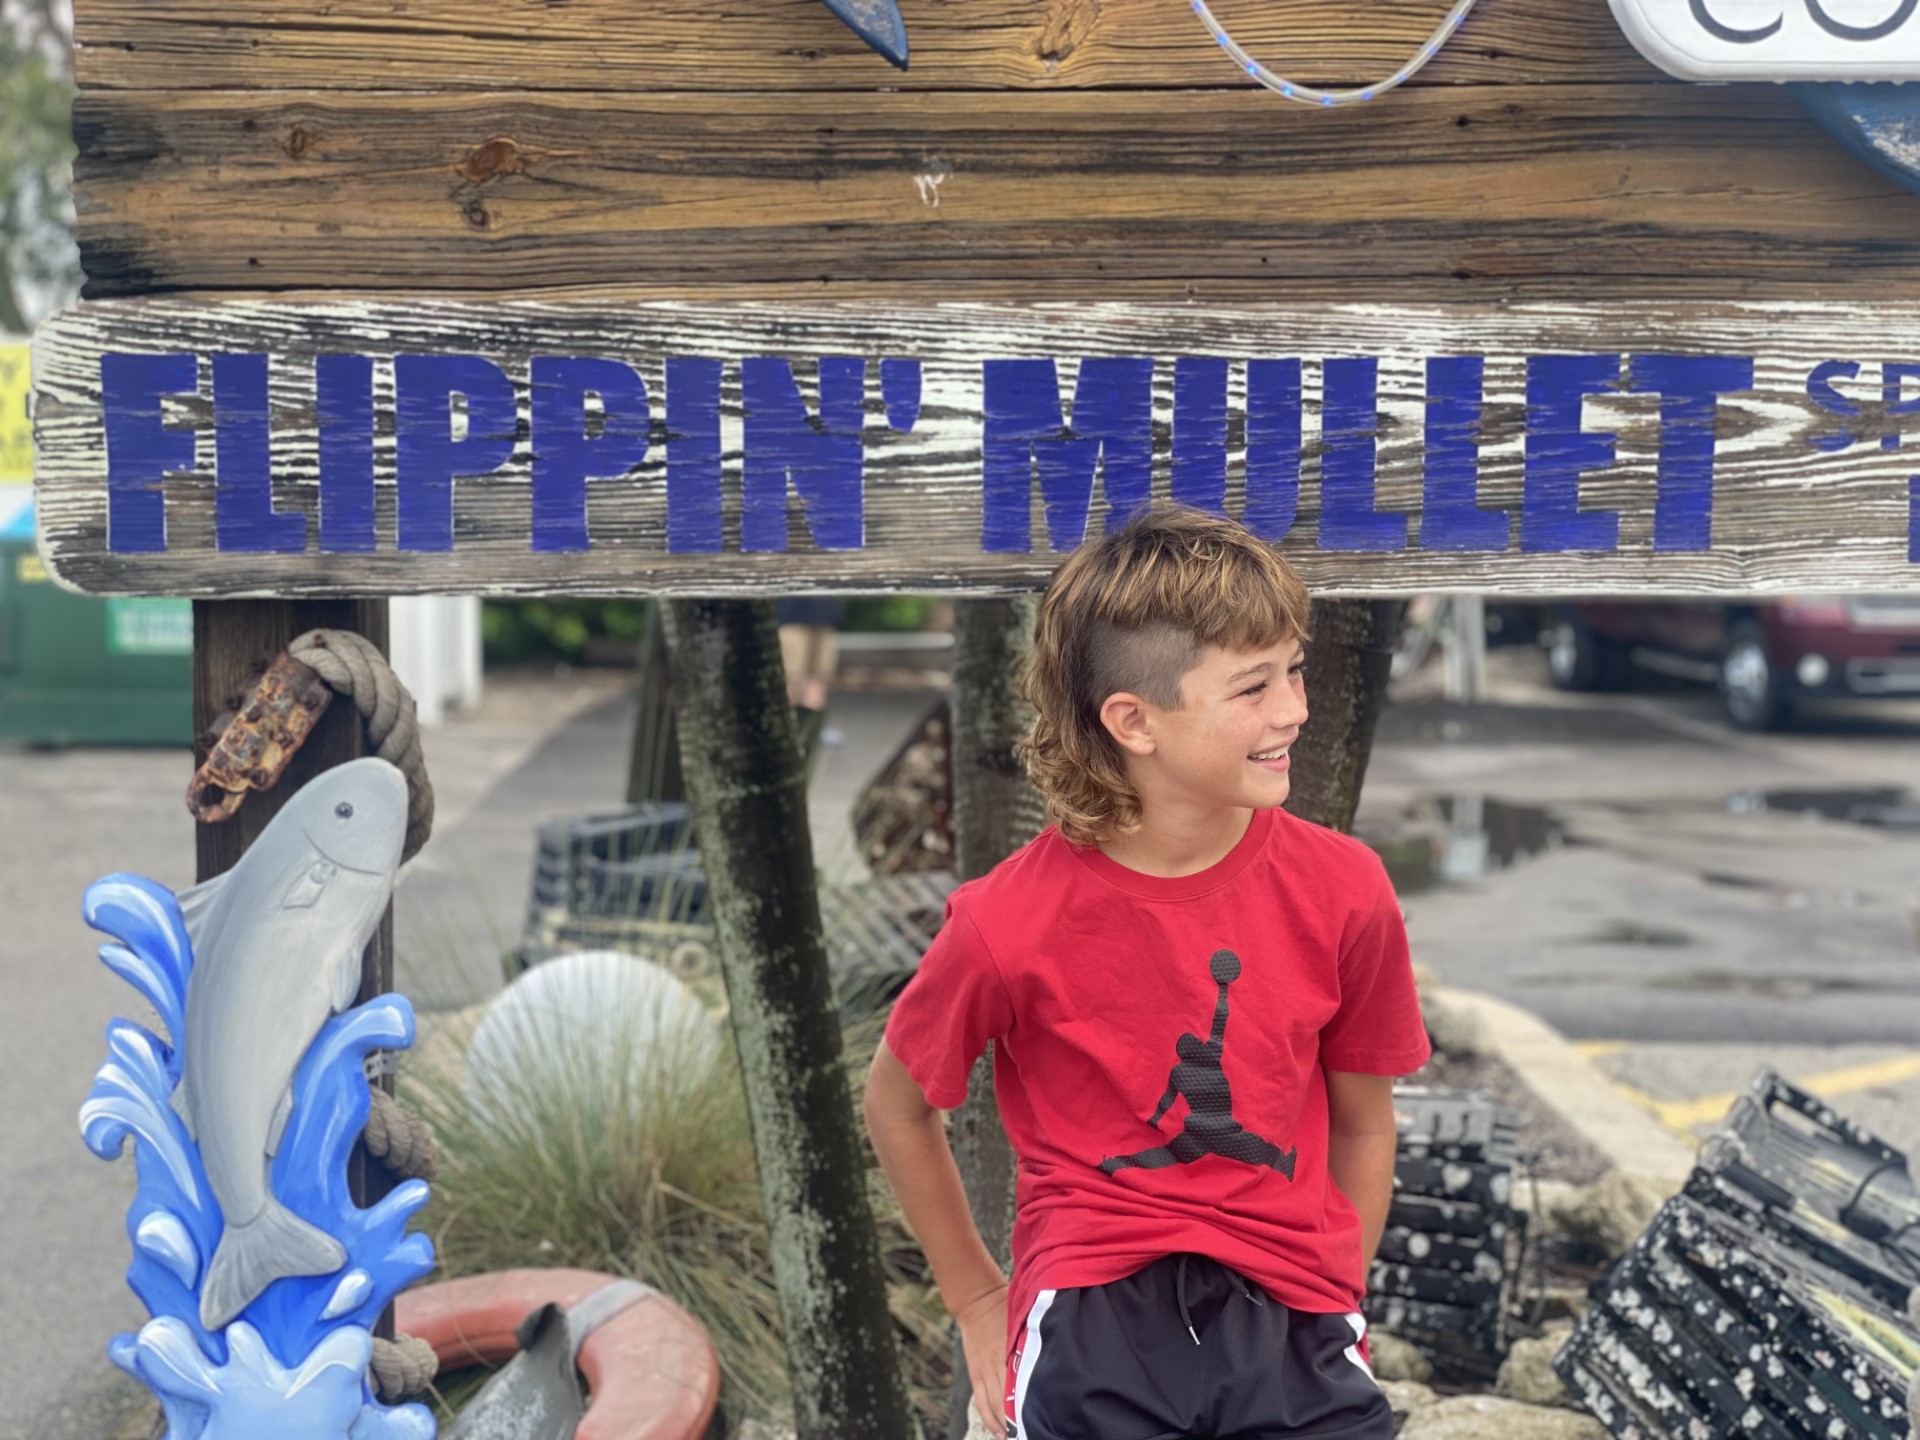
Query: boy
x=1195 y=1216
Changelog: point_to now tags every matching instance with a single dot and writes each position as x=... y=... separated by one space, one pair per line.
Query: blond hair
x=1133 y=610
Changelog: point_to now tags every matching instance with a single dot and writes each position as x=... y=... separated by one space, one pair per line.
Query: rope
x=355 y=668
x=400 y=1139
x=402 y=1366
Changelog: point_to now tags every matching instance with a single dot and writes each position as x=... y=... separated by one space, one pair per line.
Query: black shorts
x=1187 y=1347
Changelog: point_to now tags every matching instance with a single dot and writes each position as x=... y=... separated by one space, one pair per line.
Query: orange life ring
x=651 y=1370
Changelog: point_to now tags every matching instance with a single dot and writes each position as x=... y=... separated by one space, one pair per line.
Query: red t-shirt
x=1216 y=998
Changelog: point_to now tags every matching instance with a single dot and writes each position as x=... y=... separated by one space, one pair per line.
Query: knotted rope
x=353 y=666
x=401 y=1367
x=400 y=1139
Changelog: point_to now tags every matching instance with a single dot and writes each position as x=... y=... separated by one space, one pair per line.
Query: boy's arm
x=1360 y=1150
x=910 y=1140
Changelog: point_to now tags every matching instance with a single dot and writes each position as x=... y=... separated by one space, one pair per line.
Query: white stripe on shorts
x=1024 y=1375
x=1359 y=1324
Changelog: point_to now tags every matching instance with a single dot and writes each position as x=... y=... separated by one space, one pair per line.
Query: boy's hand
x=983 y=1335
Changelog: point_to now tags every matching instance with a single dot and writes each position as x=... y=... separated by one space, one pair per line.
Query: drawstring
x=1180 y=1292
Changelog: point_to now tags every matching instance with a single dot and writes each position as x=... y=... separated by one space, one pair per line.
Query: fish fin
x=183 y=1107
x=346 y=982
x=279 y=1125
x=272 y=1246
x=308 y=886
x=194 y=905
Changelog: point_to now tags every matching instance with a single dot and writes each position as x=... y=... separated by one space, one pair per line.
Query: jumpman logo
x=1199 y=1079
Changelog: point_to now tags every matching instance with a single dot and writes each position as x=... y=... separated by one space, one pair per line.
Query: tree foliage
x=39 y=266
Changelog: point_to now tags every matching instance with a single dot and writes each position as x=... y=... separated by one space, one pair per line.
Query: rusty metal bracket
x=258 y=740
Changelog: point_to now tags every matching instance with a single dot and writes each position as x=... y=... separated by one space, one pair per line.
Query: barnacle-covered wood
x=747 y=785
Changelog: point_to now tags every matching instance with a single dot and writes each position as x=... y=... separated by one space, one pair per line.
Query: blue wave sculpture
x=292 y=1363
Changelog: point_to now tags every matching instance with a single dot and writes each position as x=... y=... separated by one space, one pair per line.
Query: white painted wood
x=1787 y=516
x=1722 y=40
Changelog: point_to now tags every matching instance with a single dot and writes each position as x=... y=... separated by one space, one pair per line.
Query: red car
x=1765 y=656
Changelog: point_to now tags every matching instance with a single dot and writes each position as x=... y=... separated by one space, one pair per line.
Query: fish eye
x=343 y=810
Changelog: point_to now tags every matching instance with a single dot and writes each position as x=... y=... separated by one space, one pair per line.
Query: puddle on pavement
x=1885 y=807
x=1453 y=839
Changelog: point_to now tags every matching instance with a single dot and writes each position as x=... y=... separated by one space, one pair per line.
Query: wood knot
x=299 y=141
x=1068 y=25
x=498 y=156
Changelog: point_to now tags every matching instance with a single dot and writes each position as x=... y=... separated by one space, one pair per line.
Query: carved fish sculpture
x=277 y=943
x=878 y=23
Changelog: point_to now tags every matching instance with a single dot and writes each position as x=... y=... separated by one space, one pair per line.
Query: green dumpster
x=79 y=670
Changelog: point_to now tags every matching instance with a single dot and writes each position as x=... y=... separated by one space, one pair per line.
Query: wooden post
x=1348 y=660
x=996 y=810
x=232 y=642
x=746 y=781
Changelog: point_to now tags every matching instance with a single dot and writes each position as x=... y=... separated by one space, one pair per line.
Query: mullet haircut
x=1133 y=610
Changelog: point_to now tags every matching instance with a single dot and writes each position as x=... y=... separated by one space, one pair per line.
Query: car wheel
x=1756 y=694
x=1580 y=659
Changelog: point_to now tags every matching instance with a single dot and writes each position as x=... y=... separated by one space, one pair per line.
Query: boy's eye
x=1256 y=689
x=1299 y=667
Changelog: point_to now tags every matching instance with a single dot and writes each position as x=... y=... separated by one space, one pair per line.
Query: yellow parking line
x=1594 y=1049
x=1682 y=1116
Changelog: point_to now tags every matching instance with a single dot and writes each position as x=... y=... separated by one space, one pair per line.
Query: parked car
x=1765 y=656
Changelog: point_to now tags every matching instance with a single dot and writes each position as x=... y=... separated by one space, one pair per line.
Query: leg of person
x=1158 y=1158
x=1292 y=1373
x=1251 y=1149
x=793 y=656
x=1107 y=1362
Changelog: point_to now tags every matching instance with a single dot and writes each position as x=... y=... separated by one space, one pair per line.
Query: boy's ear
x=1127 y=720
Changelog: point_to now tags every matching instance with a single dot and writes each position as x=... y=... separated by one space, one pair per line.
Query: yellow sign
x=16 y=431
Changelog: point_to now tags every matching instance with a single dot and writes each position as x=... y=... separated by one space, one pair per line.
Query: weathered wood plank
x=1597 y=189
x=1787 y=510
x=770 y=45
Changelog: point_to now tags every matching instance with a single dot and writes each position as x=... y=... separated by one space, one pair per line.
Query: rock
x=1488 y=1417
x=1609 y=1214
x=760 y=1430
x=1396 y=1359
x=1407 y=1396
x=1454 y=1031
x=1527 y=1373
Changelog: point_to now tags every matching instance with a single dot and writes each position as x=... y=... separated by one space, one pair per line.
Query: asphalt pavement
x=1684 y=902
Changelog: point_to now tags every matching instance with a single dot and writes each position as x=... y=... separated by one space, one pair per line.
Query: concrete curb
x=1568 y=1083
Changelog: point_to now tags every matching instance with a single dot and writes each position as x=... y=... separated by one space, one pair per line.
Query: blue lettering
x=427 y=459
x=1026 y=430
x=1200 y=432
x=1348 y=520
x=1450 y=513
x=825 y=459
x=1690 y=387
x=141 y=451
x=1558 y=451
x=1893 y=378
x=693 y=456
x=1273 y=448
x=244 y=520
x=343 y=398
x=900 y=393
x=565 y=455
x=1820 y=390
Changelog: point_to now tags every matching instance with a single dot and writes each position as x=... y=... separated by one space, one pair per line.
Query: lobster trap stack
x=1774 y=1297
x=632 y=881
x=1443 y=1278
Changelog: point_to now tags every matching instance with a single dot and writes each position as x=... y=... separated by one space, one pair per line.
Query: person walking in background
x=810 y=649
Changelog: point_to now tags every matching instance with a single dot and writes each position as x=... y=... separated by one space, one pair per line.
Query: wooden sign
x=1777 y=39
x=357 y=447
